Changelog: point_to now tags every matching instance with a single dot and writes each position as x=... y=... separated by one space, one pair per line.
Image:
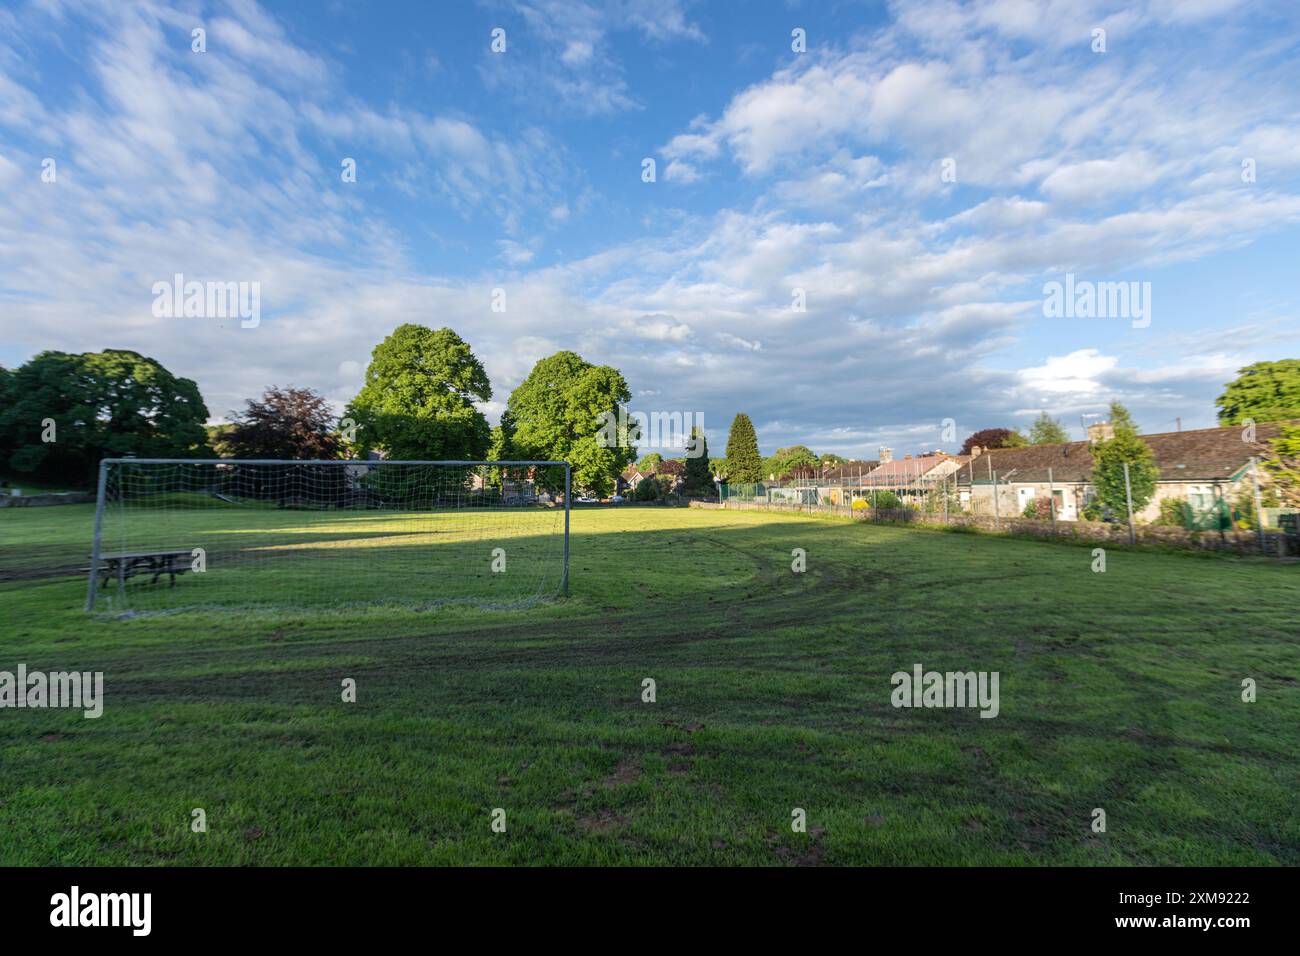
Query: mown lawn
x=1119 y=690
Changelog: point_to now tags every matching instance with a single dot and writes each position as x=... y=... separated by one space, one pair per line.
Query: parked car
x=617 y=499
x=587 y=500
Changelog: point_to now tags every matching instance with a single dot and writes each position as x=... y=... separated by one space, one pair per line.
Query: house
x=670 y=472
x=630 y=478
x=1202 y=467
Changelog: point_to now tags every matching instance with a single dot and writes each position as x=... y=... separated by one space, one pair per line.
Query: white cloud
x=678 y=171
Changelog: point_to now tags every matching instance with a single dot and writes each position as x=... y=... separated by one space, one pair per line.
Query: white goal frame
x=93 y=577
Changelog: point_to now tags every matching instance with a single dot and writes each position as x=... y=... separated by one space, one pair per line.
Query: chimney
x=975 y=451
x=907 y=457
x=1100 y=431
x=886 y=455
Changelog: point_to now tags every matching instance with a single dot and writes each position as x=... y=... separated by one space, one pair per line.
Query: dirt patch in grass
x=601 y=822
x=627 y=771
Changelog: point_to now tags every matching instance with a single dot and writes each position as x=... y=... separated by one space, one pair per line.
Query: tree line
x=61 y=413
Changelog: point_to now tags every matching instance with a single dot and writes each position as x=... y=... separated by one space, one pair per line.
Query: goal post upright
x=92 y=586
x=564 y=580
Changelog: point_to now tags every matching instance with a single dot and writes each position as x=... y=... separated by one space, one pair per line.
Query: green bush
x=887 y=501
x=647 y=490
x=1174 y=513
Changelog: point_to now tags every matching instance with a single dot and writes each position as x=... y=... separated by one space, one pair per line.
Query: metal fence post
x=1128 y=497
x=1051 y=498
x=92 y=586
x=997 y=512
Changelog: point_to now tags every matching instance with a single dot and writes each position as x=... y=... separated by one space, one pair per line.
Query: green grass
x=1118 y=690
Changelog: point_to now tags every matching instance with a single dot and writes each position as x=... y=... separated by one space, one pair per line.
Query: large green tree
x=95 y=405
x=744 y=465
x=1263 y=392
x=1047 y=430
x=698 y=479
x=501 y=447
x=787 y=459
x=1284 y=466
x=1108 y=459
x=418 y=398
x=563 y=412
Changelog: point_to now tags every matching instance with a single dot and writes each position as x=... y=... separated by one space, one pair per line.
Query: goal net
x=214 y=533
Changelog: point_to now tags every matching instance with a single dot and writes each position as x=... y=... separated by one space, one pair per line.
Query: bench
x=127 y=564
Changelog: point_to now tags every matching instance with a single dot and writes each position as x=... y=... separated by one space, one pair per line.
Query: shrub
x=888 y=501
x=861 y=504
x=1039 y=508
x=647 y=489
x=1094 y=511
x=1174 y=513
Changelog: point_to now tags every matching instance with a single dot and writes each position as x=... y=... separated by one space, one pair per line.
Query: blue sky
x=776 y=170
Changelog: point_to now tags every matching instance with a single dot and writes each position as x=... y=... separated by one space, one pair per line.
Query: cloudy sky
x=921 y=171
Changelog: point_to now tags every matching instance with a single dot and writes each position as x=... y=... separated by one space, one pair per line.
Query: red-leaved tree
x=288 y=423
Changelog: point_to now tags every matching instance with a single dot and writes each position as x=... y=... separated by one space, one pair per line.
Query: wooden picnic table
x=125 y=564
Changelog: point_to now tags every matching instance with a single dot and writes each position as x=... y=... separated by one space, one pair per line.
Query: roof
x=907 y=468
x=851 y=469
x=1203 y=454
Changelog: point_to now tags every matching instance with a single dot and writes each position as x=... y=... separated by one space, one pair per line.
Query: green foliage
x=1284 y=466
x=1047 y=430
x=648 y=489
x=103 y=405
x=1244 y=514
x=501 y=447
x=1174 y=513
x=698 y=480
x=418 y=398
x=1108 y=471
x=1263 y=392
x=1094 y=511
x=565 y=410
x=1121 y=420
x=650 y=461
x=743 y=461
x=786 y=460
x=833 y=460
x=886 y=500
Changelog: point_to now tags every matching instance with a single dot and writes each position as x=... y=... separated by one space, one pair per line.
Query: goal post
x=178 y=533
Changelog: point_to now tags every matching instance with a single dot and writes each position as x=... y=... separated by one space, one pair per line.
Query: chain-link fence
x=1179 y=511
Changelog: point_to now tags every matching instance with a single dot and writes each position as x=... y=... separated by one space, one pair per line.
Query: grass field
x=1119 y=690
